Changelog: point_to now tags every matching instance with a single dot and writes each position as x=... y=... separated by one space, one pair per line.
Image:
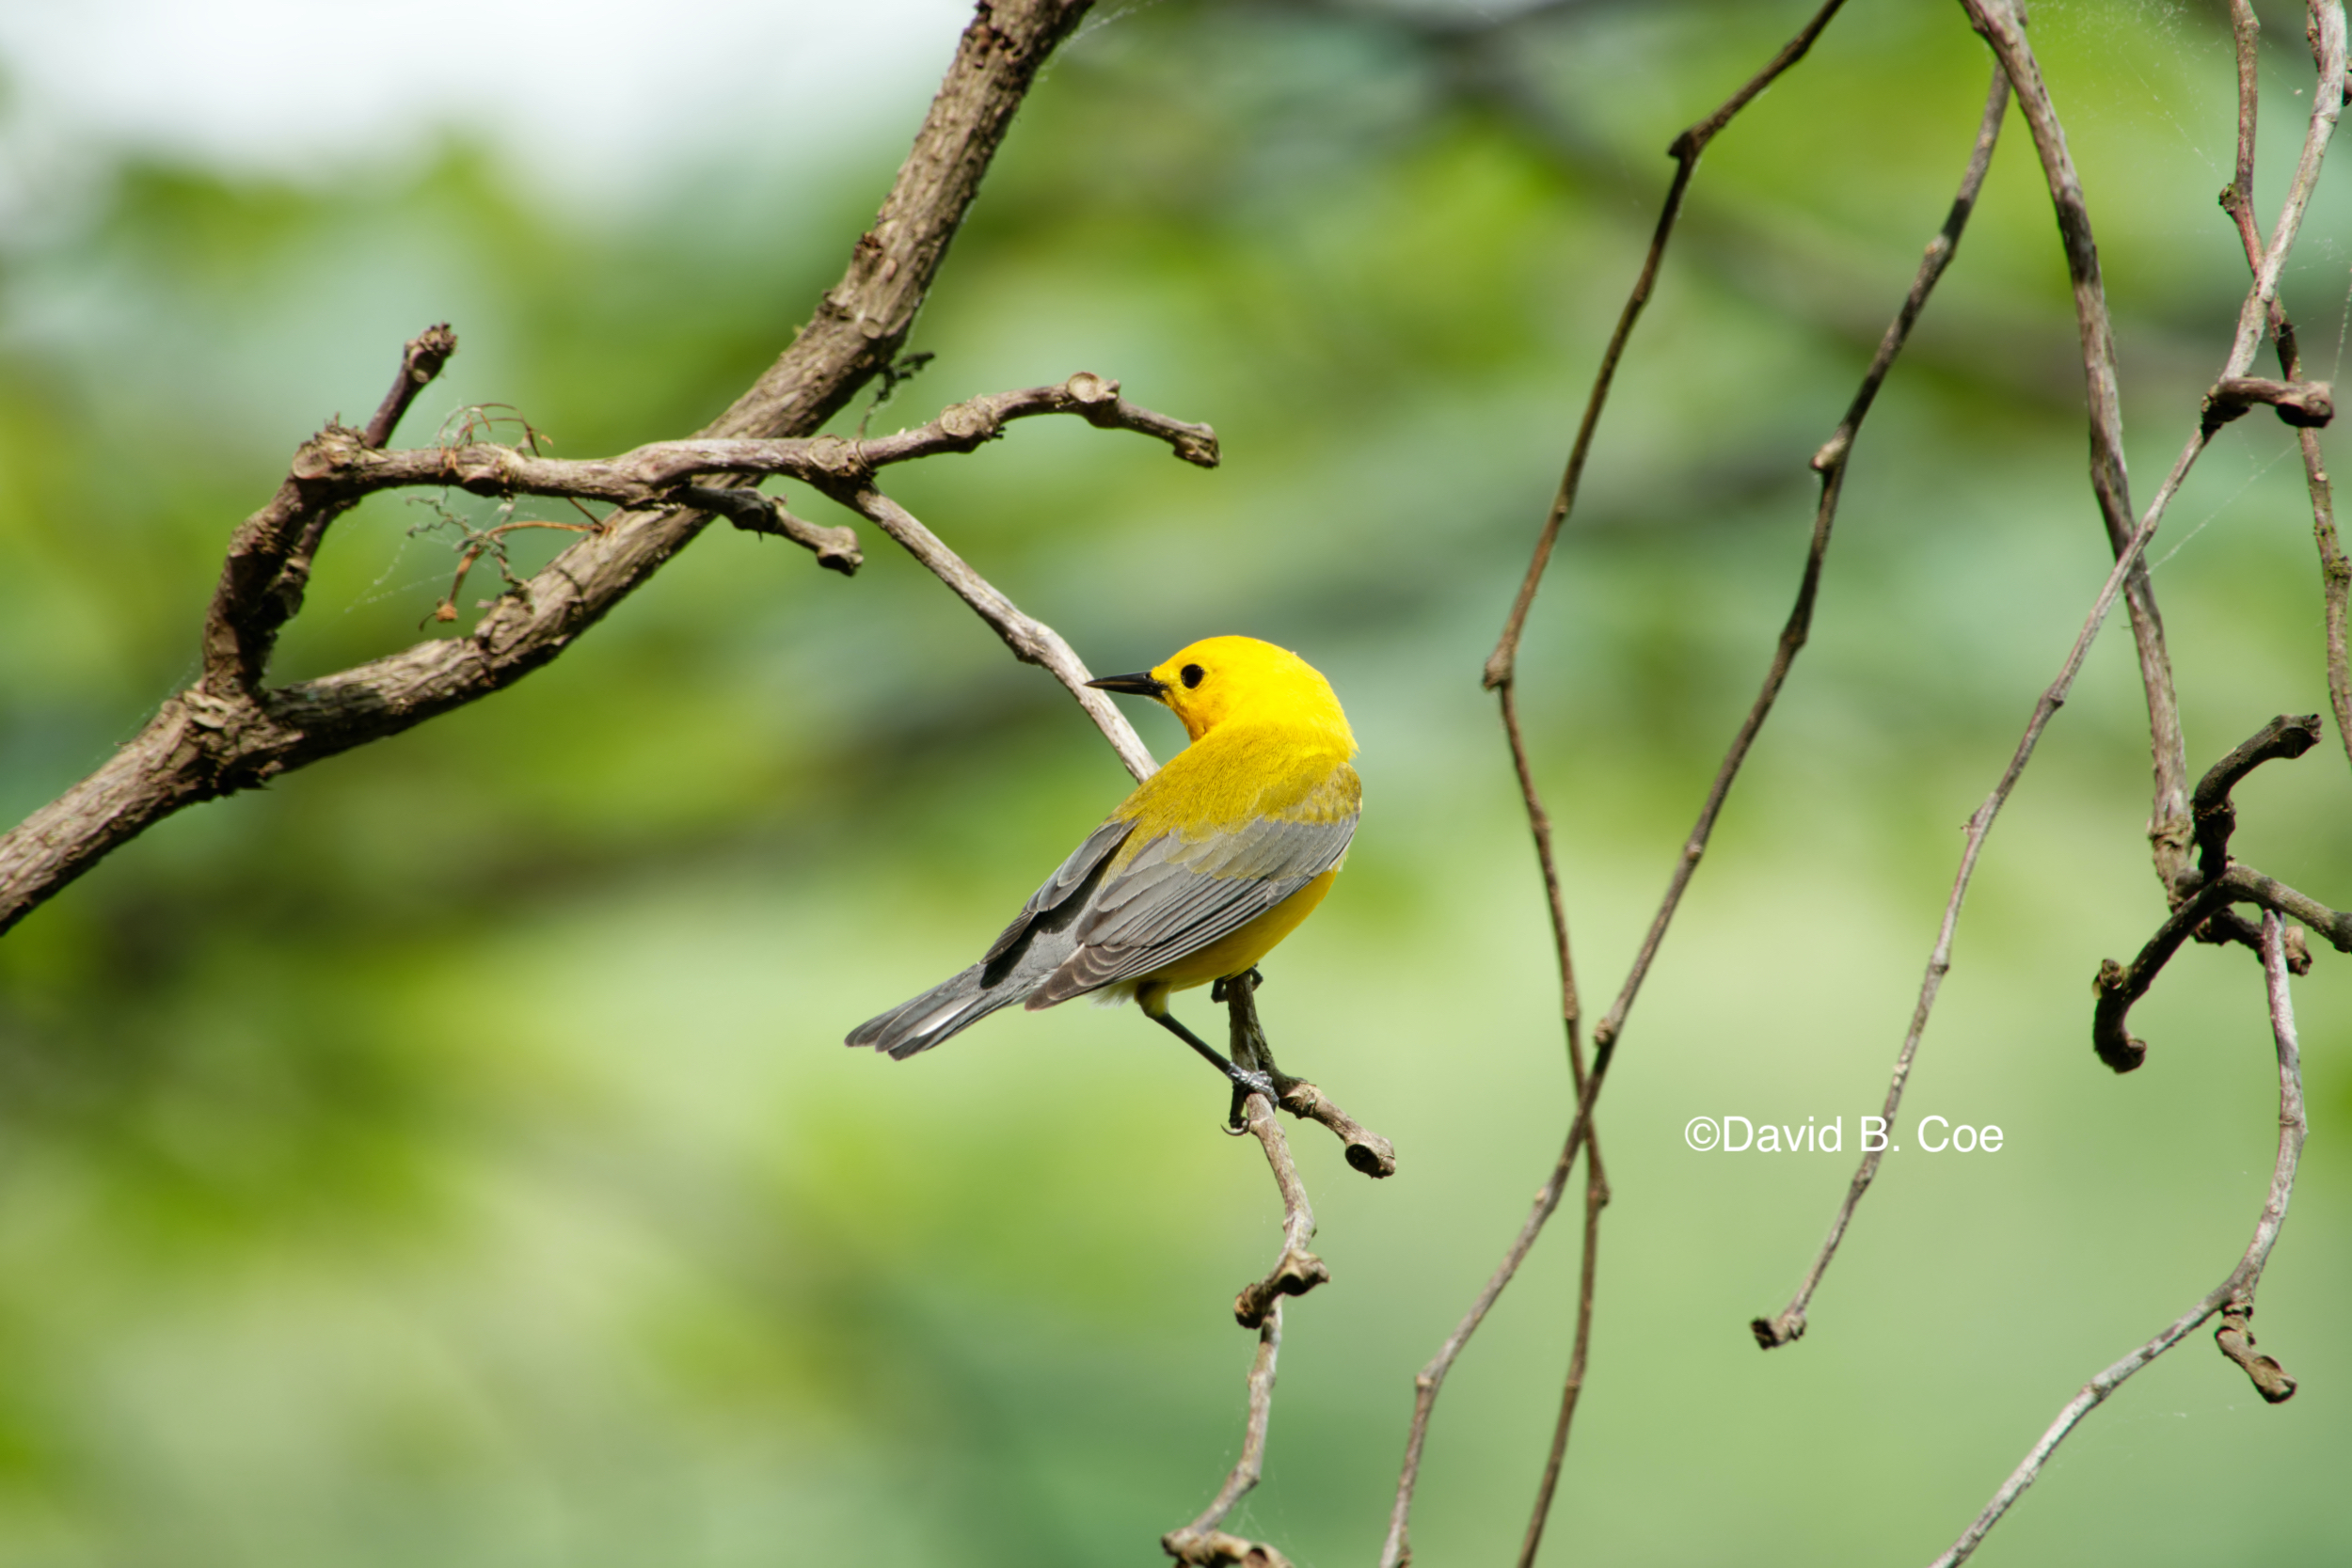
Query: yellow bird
x=1210 y=862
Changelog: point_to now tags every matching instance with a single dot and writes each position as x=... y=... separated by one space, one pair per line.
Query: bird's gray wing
x=1083 y=863
x=1033 y=946
x=1178 y=894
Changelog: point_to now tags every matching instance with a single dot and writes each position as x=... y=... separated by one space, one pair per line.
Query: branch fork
x=2213 y=886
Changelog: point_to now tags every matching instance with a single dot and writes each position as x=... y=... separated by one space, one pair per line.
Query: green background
x=446 y=1156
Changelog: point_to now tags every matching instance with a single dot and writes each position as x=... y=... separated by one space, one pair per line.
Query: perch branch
x=1296 y=1270
x=228 y=733
x=1500 y=675
x=1258 y=1306
x=2233 y=1297
x=1789 y=1324
x=1364 y=1149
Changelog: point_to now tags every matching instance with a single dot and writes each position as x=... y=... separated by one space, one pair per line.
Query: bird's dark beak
x=1141 y=684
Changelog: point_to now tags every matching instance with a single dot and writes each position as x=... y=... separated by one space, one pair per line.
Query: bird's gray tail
x=947 y=1008
x=1036 y=942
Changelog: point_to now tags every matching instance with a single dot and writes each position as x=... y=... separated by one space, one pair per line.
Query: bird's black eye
x=1190 y=675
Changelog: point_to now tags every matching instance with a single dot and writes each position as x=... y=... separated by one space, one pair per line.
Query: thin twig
x=1789 y=1324
x=836 y=548
x=2002 y=26
x=1684 y=152
x=2335 y=571
x=421 y=360
x=337 y=464
x=1595 y=1169
x=2284 y=738
x=1032 y=641
x=2236 y=1292
x=1580 y=1354
x=492 y=541
x=1364 y=1149
x=1830 y=463
x=1296 y=1270
x=426 y=353
x=1201 y=1544
x=1499 y=676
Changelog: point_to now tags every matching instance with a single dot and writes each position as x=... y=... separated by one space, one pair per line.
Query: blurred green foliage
x=446 y=1156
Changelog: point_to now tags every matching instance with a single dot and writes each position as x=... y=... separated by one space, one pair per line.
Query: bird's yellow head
x=1225 y=680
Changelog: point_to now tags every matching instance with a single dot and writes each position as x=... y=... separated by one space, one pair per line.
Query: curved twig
x=2003 y=27
x=2117 y=987
x=2233 y=1297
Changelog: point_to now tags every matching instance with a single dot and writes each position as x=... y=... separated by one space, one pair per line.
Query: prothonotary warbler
x=1210 y=862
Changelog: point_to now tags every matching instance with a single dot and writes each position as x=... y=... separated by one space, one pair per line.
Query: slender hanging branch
x=1501 y=677
x=2003 y=27
x=2329 y=26
x=2237 y=200
x=2233 y=1298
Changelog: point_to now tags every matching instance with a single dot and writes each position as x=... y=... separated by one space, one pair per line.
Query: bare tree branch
x=336 y=466
x=1580 y=1356
x=226 y=732
x=2233 y=1297
x=1830 y=463
x=1684 y=152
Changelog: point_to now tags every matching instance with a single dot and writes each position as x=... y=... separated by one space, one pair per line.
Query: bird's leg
x=1245 y=1081
x=1250 y=1049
